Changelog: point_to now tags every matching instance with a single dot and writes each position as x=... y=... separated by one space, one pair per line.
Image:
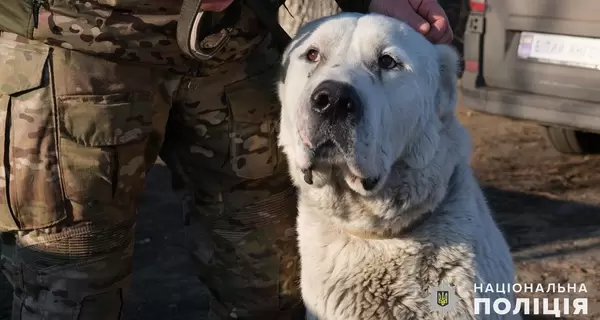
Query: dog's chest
x=356 y=280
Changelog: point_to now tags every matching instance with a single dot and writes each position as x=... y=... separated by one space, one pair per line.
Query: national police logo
x=442 y=298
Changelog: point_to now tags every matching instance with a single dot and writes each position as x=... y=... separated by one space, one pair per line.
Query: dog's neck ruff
x=389 y=235
x=411 y=227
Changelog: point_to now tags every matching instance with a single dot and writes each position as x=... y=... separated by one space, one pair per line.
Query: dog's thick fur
x=372 y=251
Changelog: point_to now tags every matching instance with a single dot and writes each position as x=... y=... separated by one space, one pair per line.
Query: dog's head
x=361 y=93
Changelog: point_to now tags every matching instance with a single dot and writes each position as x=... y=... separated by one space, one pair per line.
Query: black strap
x=279 y=34
x=187 y=25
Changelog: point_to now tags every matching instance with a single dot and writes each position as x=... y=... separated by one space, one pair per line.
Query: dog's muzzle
x=335 y=101
x=334 y=110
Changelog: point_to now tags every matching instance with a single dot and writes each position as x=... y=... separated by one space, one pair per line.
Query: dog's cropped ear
x=449 y=63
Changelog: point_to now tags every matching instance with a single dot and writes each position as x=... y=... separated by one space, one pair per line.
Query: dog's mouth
x=329 y=162
x=325 y=152
x=363 y=186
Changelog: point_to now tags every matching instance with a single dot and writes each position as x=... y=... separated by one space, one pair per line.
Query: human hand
x=425 y=16
x=215 y=5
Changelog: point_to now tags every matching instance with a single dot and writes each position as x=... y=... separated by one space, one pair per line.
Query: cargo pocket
x=17 y=17
x=7 y=221
x=253 y=259
x=31 y=196
x=254 y=118
x=102 y=144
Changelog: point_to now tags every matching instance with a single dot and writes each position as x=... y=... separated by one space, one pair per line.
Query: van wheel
x=573 y=141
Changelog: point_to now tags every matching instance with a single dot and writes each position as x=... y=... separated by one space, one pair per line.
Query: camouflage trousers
x=80 y=133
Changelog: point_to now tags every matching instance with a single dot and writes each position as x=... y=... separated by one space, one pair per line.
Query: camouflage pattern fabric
x=80 y=132
x=75 y=131
x=221 y=144
x=139 y=31
x=134 y=31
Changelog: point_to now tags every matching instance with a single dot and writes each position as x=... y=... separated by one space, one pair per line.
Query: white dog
x=388 y=206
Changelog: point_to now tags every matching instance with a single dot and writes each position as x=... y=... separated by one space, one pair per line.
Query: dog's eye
x=387 y=62
x=312 y=55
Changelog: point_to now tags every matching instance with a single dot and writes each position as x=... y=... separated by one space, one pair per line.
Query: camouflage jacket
x=133 y=30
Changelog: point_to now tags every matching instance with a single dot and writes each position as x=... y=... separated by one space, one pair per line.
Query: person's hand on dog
x=215 y=5
x=425 y=16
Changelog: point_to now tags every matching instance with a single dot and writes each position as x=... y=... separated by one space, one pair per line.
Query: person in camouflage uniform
x=91 y=92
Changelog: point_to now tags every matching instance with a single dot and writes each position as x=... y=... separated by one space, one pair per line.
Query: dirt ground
x=547 y=204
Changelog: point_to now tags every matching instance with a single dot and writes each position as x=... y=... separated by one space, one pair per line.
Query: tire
x=570 y=141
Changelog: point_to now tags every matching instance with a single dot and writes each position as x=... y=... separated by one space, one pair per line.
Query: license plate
x=558 y=49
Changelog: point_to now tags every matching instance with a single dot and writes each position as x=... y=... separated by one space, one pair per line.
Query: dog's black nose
x=335 y=100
